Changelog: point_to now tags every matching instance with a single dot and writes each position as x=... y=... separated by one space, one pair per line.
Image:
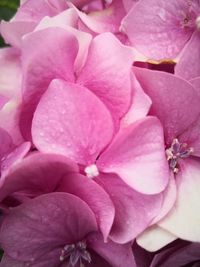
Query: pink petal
x=96 y=198
x=7 y=261
x=188 y=66
x=115 y=254
x=157 y=29
x=44 y=224
x=137 y=155
x=37 y=174
x=54 y=54
x=183 y=221
x=107 y=73
x=133 y=211
x=13 y=31
x=79 y=134
x=174 y=101
x=6 y=143
x=14 y=157
x=140 y=106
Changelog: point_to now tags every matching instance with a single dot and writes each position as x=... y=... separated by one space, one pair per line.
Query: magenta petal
x=96 y=198
x=115 y=254
x=188 y=66
x=174 y=101
x=107 y=73
x=37 y=174
x=137 y=155
x=78 y=133
x=6 y=143
x=156 y=29
x=7 y=261
x=133 y=211
x=54 y=54
x=44 y=224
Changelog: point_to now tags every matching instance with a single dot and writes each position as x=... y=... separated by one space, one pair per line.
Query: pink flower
x=58 y=229
x=176 y=103
x=162 y=28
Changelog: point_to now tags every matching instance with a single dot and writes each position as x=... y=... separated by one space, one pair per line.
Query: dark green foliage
x=7 y=10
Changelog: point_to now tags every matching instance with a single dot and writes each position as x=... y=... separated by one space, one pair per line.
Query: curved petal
x=188 y=66
x=44 y=224
x=46 y=55
x=157 y=29
x=79 y=134
x=94 y=195
x=133 y=211
x=6 y=143
x=184 y=219
x=37 y=174
x=137 y=155
x=115 y=254
x=185 y=255
x=140 y=106
x=174 y=101
x=107 y=73
x=155 y=238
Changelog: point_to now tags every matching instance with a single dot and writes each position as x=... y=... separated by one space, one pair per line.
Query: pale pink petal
x=67 y=20
x=78 y=133
x=44 y=224
x=174 y=101
x=140 y=106
x=107 y=73
x=184 y=219
x=137 y=155
x=106 y=20
x=155 y=238
x=47 y=54
x=133 y=211
x=13 y=31
x=188 y=66
x=157 y=29
x=169 y=198
x=115 y=254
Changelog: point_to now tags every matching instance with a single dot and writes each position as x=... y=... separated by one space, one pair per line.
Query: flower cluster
x=100 y=134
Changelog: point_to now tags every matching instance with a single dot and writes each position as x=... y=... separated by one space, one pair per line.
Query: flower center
x=75 y=254
x=176 y=152
x=92 y=171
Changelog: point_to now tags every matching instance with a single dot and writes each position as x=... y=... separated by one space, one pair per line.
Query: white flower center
x=91 y=171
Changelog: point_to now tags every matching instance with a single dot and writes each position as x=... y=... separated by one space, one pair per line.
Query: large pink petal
x=157 y=29
x=174 y=101
x=133 y=211
x=115 y=254
x=47 y=54
x=37 y=174
x=107 y=73
x=78 y=133
x=44 y=224
x=184 y=219
x=137 y=155
x=96 y=198
x=188 y=66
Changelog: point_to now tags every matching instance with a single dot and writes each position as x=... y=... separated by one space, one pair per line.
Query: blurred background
x=7 y=11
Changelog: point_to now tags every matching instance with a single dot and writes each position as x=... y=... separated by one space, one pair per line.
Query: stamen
x=176 y=152
x=75 y=254
x=91 y=171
